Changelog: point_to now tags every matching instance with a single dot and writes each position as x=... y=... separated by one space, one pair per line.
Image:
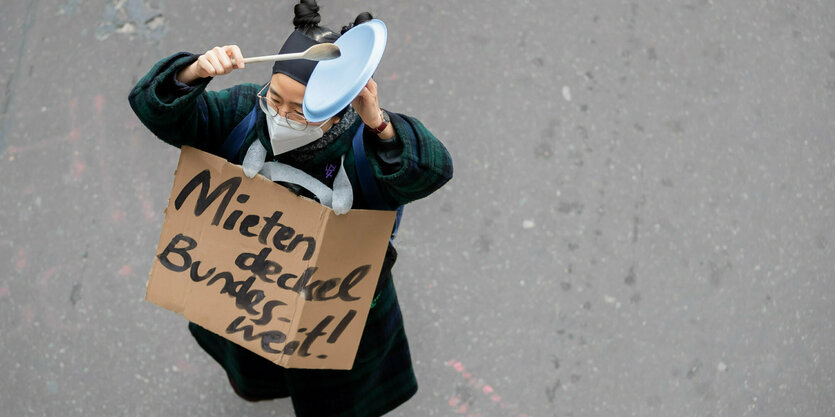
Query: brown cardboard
x=213 y=267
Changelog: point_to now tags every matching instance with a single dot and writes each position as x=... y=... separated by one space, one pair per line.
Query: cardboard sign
x=279 y=274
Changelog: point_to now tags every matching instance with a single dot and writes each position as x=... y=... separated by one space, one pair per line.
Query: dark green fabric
x=195 y=117
x=382 y=377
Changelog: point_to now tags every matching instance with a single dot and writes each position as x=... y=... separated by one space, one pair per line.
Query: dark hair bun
x=361 y=18
x=307 y=14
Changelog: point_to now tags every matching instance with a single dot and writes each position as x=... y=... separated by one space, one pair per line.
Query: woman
x=407 y=161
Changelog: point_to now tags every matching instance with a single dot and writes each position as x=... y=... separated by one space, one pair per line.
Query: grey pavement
x=640 y=224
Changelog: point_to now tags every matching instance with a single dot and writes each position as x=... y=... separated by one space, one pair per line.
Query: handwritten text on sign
x=276 y=273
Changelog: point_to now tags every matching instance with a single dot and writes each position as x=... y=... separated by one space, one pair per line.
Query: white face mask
x=284 y=138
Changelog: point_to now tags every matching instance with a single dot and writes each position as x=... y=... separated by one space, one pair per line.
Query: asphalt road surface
x=640 y=223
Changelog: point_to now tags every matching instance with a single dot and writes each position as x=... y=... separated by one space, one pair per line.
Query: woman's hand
x=216 y=61
x=368 y=108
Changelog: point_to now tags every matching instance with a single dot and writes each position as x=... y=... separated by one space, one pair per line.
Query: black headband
x=297 y=69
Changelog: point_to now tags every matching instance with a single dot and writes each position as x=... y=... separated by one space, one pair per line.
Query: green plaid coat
x=382 y=376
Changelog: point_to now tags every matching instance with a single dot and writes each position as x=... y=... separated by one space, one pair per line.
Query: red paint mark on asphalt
x=14 y=150
x=125 y=270
x=4 y=291
x=50 y=272
x=98 y=104
x=393 y=76
x=78 y=169
x=486 y=389
x=28 y=315
x=75 y=134
x=104 y=171
x=46 y=275
x=20 y=259
x=184 y=366
x=118 y=216
x=148 y=209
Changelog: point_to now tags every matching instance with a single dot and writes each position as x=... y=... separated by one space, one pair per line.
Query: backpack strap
x=368 y=183
x=235 y=141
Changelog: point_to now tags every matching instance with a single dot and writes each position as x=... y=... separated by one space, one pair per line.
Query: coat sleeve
x=181 y=114
x=422 y=166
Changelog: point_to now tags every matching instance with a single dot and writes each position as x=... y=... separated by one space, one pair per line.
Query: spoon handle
x=266 y=58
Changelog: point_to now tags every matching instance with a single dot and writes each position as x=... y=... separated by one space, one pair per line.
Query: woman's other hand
x=368 y=107
x=216 y=61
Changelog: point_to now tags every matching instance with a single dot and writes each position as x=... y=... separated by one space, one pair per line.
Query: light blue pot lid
x=335 y=83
